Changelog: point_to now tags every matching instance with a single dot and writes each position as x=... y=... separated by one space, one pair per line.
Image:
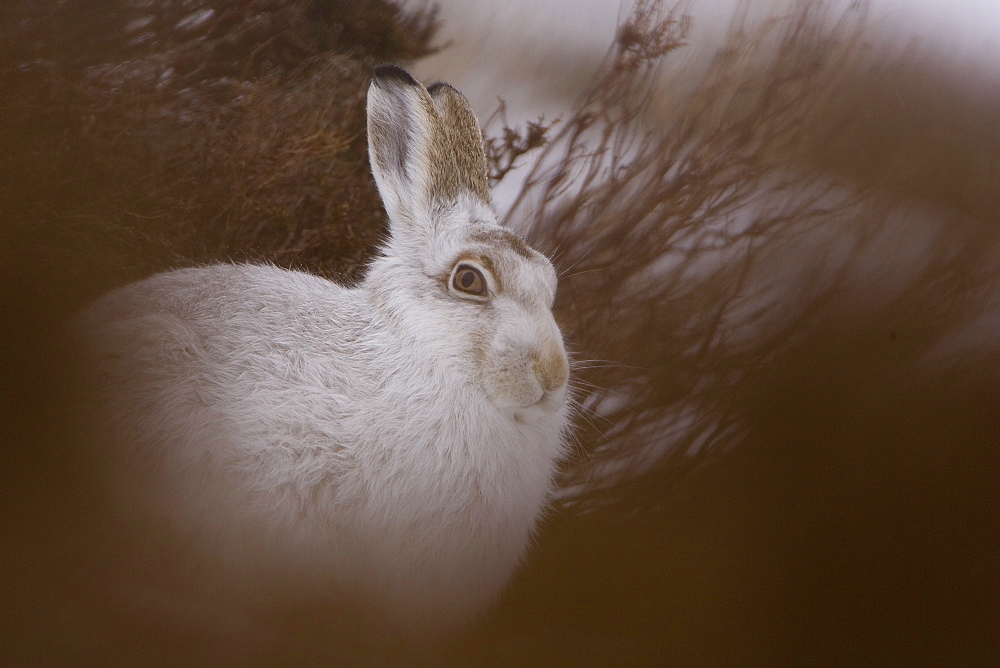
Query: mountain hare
x=395 y=442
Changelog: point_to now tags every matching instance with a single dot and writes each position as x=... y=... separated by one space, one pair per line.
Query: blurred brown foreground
x=781 y=286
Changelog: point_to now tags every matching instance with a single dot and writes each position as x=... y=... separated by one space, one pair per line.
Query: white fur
x=395 y=442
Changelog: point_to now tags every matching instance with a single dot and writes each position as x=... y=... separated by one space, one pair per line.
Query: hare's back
x=223 y=336
x=221 y=293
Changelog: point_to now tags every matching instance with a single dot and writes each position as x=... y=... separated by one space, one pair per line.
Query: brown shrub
x=143 y=137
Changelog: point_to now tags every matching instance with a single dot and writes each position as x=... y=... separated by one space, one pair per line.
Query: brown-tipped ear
x=466 y=139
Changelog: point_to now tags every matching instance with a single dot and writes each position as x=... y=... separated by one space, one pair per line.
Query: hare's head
x=475 y=296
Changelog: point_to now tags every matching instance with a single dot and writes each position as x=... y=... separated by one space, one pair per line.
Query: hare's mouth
x=523 y=399
x=546 y=405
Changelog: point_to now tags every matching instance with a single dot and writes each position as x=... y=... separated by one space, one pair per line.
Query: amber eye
x=469 y=279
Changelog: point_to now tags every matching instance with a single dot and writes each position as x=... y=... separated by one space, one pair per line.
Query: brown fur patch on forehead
x=497 y=236
x=464 y=139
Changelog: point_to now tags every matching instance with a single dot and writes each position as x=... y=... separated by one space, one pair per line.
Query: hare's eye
x=469 y=279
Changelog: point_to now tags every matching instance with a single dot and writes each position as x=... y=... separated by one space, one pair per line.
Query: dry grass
x=782 y=289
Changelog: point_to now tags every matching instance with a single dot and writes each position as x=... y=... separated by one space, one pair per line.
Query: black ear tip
x=394 y=74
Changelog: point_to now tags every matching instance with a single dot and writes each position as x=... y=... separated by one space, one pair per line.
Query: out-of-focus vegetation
x=782 y=289
x=784 y=292
x=160 y=134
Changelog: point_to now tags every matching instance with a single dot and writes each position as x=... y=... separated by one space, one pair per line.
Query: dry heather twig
x=671 y=236
x=789 y=361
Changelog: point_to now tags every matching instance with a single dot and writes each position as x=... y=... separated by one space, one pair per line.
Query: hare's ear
x=460 y=126
x=403 y=138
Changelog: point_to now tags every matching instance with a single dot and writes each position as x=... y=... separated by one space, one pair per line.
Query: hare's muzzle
x=551 y=367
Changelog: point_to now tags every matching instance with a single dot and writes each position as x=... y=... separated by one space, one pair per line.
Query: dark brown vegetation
x=782 y=289
x=196 y=132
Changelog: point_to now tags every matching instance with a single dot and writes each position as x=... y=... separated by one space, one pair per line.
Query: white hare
x=396 y=441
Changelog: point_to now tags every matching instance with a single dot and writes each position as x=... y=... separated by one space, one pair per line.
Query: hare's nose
x=551 y=368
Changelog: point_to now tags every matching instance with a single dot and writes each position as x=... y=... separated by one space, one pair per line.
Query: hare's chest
x=436 y=473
